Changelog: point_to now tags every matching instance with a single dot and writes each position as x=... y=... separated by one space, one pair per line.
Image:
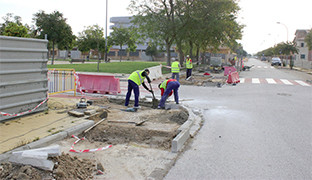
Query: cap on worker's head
x=146 y=70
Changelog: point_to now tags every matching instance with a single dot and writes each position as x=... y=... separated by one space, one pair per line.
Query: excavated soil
x=66 y=167
x=146 y=133
x=199 y=79
x=149 y=126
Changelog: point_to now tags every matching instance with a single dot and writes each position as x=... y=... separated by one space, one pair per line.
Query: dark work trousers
x=136 y=90
x=188 y=73
x=176 y=75
x=172 y=85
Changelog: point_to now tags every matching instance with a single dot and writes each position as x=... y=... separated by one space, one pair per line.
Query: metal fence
x=61 y=80
x=23 y=76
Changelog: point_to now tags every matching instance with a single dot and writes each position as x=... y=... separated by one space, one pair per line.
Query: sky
x=260 y=17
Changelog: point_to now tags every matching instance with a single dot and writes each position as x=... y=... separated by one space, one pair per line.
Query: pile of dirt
x=203 y=80
x=66 y=167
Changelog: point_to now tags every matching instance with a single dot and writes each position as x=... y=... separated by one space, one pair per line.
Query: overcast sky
x=259 y=16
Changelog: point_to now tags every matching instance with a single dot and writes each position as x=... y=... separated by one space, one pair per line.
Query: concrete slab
x=179 y=140
x=90 y=112
x=40 y=163
x=50 y=151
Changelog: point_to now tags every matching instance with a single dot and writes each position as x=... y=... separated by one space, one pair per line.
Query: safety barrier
x=233 y=78
x=228 y=70
x=102 y=84
x=61 y=80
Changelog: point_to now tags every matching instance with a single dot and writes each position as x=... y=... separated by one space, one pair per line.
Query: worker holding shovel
x=166 y=88
x=134 y=81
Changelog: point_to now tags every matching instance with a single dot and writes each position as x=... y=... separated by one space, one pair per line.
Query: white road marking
x=242 y=80
x=286 y=82
x=270 y=80
x=259 y=66
x=302 y=83
x=265 y=67
x=255 y=80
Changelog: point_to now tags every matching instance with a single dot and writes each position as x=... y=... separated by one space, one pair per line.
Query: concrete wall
x=23 y=74
x=303 y=64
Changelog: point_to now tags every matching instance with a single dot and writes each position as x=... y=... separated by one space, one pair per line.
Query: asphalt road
x=251 y=130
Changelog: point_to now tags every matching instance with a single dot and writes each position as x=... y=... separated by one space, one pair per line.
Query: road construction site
x=141 y=141
x=110 y=140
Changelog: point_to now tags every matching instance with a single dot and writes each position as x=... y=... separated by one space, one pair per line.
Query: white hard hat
x=187 y=55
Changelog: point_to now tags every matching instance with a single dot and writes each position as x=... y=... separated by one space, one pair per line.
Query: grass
x=113 y=67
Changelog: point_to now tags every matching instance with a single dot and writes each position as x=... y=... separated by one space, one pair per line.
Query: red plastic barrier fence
x=233 y=78
x=228 y=70
x=102 y=84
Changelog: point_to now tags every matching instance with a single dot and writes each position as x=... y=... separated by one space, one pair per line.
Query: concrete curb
x=49 y=139
x=187 y=130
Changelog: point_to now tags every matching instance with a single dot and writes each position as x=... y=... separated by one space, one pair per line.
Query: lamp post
x=106 y=34
x=285 y=27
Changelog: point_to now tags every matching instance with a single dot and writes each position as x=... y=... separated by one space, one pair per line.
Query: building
x=125 y=22
x=303 y=51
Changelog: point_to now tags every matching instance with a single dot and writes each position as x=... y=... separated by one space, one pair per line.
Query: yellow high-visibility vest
x=137 y=77
x=175 y=67
x=164 y=84
x=189 y=64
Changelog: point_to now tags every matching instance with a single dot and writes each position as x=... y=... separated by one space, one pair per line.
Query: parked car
x=276 y=61
x=263 y=58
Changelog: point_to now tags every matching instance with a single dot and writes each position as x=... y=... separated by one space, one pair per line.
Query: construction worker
x=189 y=66
x=166 y=88
x=175 y=69
x=134 y=81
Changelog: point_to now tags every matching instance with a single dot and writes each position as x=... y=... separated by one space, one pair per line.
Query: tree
x=308 y=39
x=10 y=19
x=13 y=29
x=123 y=36
x=151 y=50
x=191 y=24
x=92 y=38
x=55 y=26
x=156 y=20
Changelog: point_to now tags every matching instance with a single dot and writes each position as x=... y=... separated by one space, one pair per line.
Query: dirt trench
x=156 y=127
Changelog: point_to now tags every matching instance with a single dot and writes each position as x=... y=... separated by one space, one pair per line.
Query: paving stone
x=76 y=113
x=90 y=112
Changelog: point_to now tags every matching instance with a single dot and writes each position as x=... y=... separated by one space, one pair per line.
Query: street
x=258 y=129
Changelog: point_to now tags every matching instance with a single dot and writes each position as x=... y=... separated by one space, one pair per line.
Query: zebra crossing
x=273 y=81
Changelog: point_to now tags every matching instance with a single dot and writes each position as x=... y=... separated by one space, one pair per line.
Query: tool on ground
x=130 y=122
x=94 y=125
x=82 y=103
x=247 y=67
x=154 y=101
x=130 y=109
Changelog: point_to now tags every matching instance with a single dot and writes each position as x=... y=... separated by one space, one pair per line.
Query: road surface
x=258 y=129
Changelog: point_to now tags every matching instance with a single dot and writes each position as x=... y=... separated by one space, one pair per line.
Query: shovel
x=154 y=101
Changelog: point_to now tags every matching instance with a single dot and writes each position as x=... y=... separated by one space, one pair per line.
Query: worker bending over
x=134 y=81
x=166 y=88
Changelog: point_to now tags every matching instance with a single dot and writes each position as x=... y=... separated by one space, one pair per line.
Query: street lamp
x=285 y=27
x=106 y=34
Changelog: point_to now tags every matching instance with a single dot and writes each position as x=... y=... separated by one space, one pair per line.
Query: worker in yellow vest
x=189 y=66
x=134 y=81
x=166 y=88
x=175 y=69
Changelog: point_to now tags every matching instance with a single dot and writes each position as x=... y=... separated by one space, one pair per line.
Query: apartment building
x=303 y=54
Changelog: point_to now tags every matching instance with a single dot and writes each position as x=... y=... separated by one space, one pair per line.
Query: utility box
x=23 y=76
